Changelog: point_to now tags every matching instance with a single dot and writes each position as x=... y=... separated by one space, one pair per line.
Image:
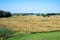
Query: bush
x=5 y=33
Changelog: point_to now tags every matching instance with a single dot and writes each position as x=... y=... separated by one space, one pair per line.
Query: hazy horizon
x=30 y=6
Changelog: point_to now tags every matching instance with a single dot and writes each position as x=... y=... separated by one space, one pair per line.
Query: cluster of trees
x=37 y=14
x=50 y=14
x=5 y=14
x=22 y=14
x=9 y=14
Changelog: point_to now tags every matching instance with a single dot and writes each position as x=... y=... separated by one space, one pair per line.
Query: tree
x=5 y=14
x=44 y=15
x=38 y=14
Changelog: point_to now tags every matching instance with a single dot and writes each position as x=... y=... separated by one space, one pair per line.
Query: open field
x=33 y=27
x=31 y=23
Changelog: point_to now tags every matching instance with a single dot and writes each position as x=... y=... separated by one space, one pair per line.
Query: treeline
x=36 y=14
x=9 y=14
x=51 y=14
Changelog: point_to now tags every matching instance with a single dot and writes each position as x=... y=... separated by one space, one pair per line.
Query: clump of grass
x=5 y=33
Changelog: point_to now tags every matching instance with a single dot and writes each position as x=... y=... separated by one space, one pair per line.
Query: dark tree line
x=5 y=14
x=37 y=14
x=22 y=14
x=52 y=14
x=9 y=14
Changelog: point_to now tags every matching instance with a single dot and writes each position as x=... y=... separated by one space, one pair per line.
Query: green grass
x=37 y=36
x=18 y=37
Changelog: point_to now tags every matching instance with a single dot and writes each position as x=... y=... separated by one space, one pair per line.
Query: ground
x=28 y=24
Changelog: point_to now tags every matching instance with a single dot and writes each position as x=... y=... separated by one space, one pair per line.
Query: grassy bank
x=37 y=36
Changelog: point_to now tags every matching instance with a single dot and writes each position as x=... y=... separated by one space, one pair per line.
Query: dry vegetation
x=31 y=23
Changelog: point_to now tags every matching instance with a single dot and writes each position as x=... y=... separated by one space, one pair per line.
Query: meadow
x=28 y=25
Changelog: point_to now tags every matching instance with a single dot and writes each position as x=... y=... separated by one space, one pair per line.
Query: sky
x=30 y=6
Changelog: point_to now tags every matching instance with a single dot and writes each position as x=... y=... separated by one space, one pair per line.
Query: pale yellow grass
x=31 y=23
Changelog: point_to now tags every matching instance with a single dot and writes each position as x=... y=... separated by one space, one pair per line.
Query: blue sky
x=30 y=6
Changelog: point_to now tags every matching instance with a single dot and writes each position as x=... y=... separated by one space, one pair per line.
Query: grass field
x=31 y=24
x=38 y=36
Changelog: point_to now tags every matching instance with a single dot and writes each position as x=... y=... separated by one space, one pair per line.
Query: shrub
x=5 y=33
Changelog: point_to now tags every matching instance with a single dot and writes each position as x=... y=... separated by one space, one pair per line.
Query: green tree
x=5 y=14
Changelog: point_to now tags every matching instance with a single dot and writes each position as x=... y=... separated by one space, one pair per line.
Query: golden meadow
x=31 y=23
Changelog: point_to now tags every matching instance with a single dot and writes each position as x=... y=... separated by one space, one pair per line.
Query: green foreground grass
x=37 y=36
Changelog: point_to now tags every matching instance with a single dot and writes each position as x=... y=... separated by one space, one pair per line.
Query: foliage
x=37 y=14
x=5 y=14
x=5 y=33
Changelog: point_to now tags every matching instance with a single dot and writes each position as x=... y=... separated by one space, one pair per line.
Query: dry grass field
x=31 y=23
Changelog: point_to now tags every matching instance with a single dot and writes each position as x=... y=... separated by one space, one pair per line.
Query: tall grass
x=31 y=23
